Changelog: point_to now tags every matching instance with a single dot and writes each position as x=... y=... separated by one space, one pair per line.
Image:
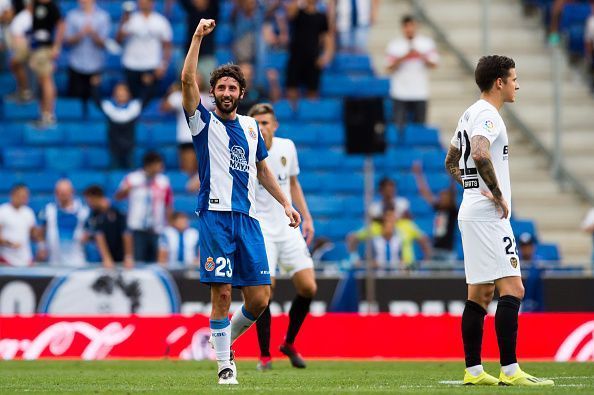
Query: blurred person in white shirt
x=409 y=59
x=389 y=198
x=19 y=43
x=179 y=243
x=17 y=228
x=588 y=226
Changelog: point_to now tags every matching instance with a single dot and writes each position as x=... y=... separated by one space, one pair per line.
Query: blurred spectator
x=353 y=20
x=446 y=215
x=589 y=46
x=193 y=184
x=527 y=250
x=63 y=222
x=6 y=15
x=146 y=36
x=556 y=10
x=246 y=19
x=409 y=59
x=87 y=28
x=389 y=198
x=311 y=48
x=256 y=94
x=179 y=243
x=173 y=103
x=122 y=113
x=196 y=10
x=150 y=200
x=588 y=227
x=108 y=227
x=18 y=32
x=17 y=228
x=392 y=240
x=46 y=43
x=275 y=30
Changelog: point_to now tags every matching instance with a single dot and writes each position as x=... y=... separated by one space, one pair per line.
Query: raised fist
x=205 y=27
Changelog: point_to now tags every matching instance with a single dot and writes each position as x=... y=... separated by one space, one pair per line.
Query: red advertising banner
x=548 y=336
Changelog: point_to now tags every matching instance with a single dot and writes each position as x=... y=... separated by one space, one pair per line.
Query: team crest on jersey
x=283 y=161
x=209 y=265
x=514 y=261
x=238 y=160
x=489 y=125
x=253 y=133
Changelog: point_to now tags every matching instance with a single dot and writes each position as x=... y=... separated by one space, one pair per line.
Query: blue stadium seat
x=38 y=202
x=23 y=158
x=158 y=133
x=223 y=56
x=426 y=225
x=276 y=60
x=438 y=181
x=11 y=134
x=114 y=178
x=328 y=133
x=348 y=182
x=354 y=205
x=353 y=162
x=434 y=161
x=321 y=110
x=337 y=253
x=68 y=108
x=7 y=84
x=36 y=136
x=14 y=111
x=178 y=181
x=64 y=159
x=320 y=159
x=96 y=158
x=324 y=205
x=340 y=227
x=84 y=179
x=283 y=111
x=179 y=33
x=401 y=159
x=351 y=63
x=548 y=252
x=406 y=184
x=310 y=181
x=337 y=85
x=185 y=203
x=40 y=181
x=223 y=35
x=8 y=178
x=420 y=208
x=420 y=135
x=225 y=11
x=86 y=133
x=520 y=226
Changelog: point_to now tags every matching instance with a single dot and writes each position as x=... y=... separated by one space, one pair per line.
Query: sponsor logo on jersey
x=506 y=152
x=471 y=183
x=218 y=334
x=514 y=261
x=209 y=265
x=214 y=201
x=238 y=159
x=489 y=125
x=264 y=272
x=253 y=133
x=283 y=161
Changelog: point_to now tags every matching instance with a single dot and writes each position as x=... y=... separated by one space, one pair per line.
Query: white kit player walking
x=478 y=160
x=285 y=246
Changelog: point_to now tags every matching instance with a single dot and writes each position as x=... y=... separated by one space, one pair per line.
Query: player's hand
x=205 y=27
x=293 y=216
x=500 y=203
x=308 y=230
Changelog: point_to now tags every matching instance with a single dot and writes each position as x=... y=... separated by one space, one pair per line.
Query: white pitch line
x=452 y=382
x=572 y=377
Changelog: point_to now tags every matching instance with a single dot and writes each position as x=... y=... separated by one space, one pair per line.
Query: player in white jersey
x=478 y=160
x=231 y=160
x=285 y=246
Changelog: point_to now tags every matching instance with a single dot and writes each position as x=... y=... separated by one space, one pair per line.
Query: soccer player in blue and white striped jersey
x=231 y=153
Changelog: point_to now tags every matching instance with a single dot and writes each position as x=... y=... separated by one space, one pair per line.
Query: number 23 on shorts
x=223 y=267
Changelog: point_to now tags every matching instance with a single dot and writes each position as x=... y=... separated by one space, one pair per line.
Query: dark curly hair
x=490 y=68
x=228 y=70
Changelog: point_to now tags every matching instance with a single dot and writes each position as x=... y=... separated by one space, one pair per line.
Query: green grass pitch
x=325 y=377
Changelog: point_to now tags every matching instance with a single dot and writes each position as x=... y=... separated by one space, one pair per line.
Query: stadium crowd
x=71 y=230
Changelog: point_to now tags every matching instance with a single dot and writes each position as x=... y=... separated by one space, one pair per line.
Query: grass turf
x=328 y=377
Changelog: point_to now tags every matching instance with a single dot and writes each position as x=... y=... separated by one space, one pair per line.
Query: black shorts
x=79 y=84
x=303 y=72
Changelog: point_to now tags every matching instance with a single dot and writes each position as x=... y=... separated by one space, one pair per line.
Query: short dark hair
x=385 y=181
x=178 y=214
x=261 y=109
x=18 y=186
x=407 y=19
x=228 y=70
x=94 y=191
x=490 y=68
x=150 y=158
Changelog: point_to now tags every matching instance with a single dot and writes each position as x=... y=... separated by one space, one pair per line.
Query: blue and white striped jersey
x=227 y=153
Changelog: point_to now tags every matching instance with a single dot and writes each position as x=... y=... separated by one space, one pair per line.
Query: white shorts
x=291 y=254
x=490 y=251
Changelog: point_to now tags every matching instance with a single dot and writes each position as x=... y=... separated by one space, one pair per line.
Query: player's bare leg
x=305 y=284
x=220 y=329
x=263 y=325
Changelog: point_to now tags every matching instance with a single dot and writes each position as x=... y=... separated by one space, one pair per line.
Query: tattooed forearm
x=452 y=163
x=479 y=148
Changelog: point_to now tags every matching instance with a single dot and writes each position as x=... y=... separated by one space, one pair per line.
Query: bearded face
x=227 y=94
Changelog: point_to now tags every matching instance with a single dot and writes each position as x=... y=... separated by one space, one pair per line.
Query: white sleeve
x=454 y=141
x=396 y=49
x=486 y=125
x=431 y=51
x=589 y=220
x=294 y=170
x=166 y=31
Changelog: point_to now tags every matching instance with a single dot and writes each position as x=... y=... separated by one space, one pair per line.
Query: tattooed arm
x=479 y=149
x=452 y=163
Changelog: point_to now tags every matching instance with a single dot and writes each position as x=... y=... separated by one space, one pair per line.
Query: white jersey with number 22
x=482 y=119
